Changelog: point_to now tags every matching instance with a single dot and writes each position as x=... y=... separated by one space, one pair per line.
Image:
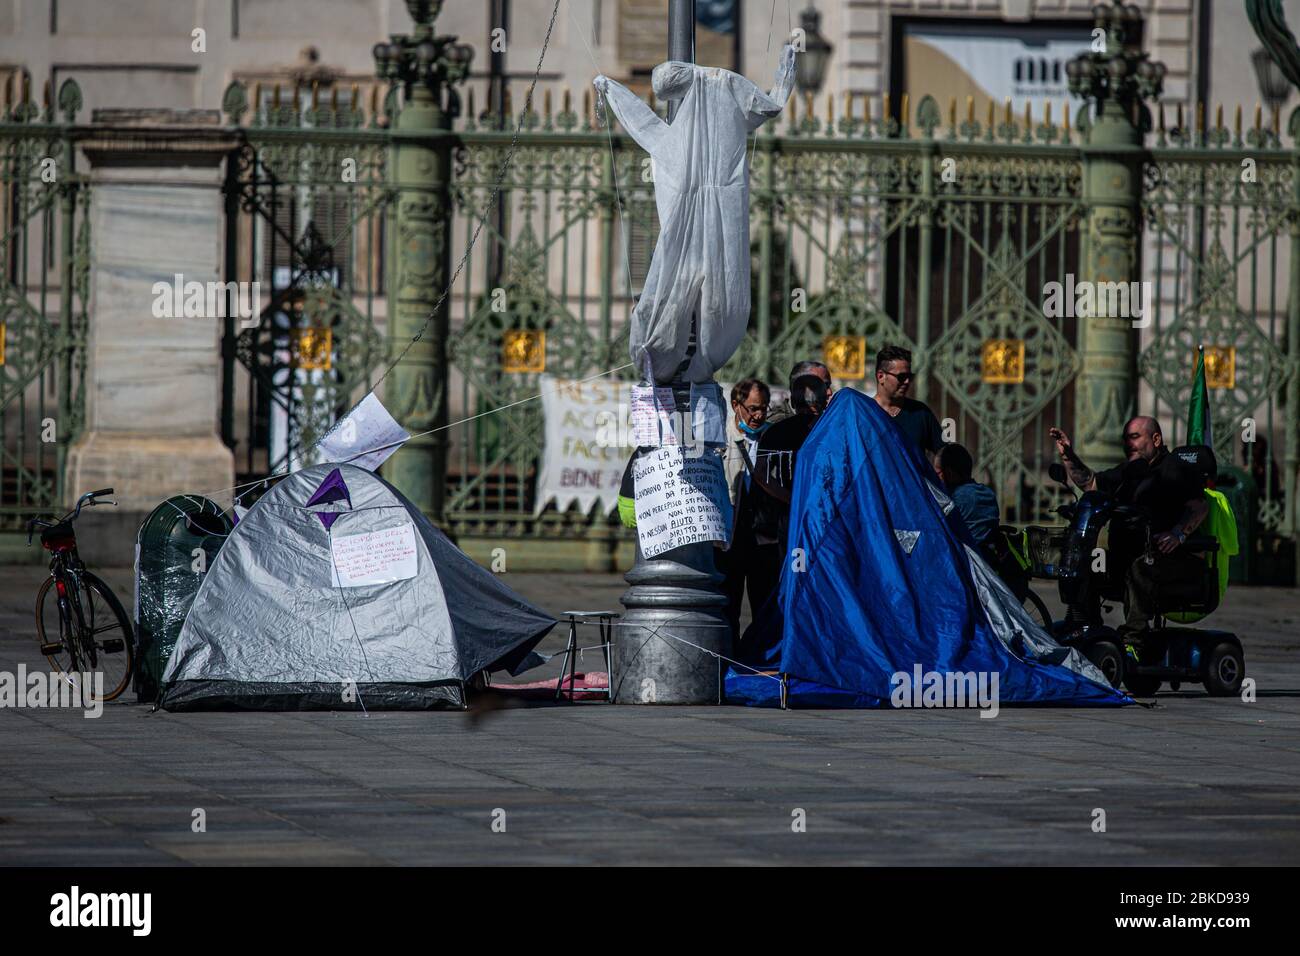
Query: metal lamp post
x=676 y=611
x=1274 y=87
x=427 y=68
x=810 y=68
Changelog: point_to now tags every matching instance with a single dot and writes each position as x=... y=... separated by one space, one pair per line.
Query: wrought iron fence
x=886 y=224
x=44 y=276
x=307 y=203
x=894 y=229
x=860 y=239
x=1220 y=212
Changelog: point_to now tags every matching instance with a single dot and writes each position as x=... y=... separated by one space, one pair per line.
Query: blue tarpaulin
x=891 y=582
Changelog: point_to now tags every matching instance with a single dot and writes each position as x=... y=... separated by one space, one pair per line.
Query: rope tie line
x=722 y=657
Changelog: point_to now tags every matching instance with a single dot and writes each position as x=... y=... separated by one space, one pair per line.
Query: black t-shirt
x=919 y=425
x=1161 y=488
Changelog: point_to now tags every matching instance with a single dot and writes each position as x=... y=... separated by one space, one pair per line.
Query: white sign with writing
x=365 y=436
x=586 y=444
x=376 y=557
x=680 y=500
x=653 y=412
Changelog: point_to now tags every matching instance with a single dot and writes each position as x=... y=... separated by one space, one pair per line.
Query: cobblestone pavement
x=1193 y=780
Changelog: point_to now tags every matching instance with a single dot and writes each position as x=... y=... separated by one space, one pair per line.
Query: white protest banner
x=376 y=557
x=365 y=436
x=680 y=500
x=586 y=442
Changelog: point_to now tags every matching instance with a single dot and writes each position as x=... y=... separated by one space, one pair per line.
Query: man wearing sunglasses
x=894 y=380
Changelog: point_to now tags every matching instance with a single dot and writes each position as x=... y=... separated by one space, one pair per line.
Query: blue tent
x=892 y=585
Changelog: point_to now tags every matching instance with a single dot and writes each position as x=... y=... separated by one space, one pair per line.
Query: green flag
x=1199 y=429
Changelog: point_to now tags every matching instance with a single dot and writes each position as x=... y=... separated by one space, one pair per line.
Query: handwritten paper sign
x=680 y=500
x=376 y=557
x=365 y=436
x=653 y=413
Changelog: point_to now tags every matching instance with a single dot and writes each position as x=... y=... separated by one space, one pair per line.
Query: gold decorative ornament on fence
x=523 y=350
x=313 y=348
x=1002 y=361
x=845 y=355
x=1220 y=366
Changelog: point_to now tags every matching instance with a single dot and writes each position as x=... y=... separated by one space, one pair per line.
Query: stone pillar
x=152 y=383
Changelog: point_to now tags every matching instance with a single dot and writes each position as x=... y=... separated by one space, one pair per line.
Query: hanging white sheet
x=701 y=177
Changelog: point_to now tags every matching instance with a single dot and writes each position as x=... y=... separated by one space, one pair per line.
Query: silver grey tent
x=335 y=592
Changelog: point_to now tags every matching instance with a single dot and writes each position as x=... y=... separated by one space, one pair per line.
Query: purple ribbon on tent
x=333 y=488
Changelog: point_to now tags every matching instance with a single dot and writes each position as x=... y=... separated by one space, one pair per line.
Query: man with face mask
x=773 y=474
x=1171 y=494
x=753 y=557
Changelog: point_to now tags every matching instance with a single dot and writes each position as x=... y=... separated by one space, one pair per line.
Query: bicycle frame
x=65 y=569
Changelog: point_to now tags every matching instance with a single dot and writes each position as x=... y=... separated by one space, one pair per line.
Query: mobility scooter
x=1088 y=579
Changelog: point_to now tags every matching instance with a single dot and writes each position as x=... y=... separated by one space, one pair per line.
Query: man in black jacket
x=773 y=480
x=1171 y=494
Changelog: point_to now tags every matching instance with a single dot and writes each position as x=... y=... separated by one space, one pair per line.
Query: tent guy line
x=789 y=27
x=356 y=635
x=491 y=411
x=681 y=640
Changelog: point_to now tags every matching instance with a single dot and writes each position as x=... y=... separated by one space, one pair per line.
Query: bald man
x=1171 y=494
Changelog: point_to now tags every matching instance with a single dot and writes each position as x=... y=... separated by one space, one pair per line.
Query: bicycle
x=84 y=609
x=1011 y=560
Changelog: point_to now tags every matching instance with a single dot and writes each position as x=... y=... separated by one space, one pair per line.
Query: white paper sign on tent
x=680 y=500
x=376 y=557
x=365 y=436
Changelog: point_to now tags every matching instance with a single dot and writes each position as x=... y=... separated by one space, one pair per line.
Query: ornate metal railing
x=861 y=238
x=1222 y=223
x=307 y=204
x=44 y=275
x=886 y=224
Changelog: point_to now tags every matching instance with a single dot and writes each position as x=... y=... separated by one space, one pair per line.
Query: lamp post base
x=676 y=615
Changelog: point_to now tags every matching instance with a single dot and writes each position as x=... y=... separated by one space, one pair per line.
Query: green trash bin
x=1238 y=486
x=175 y=547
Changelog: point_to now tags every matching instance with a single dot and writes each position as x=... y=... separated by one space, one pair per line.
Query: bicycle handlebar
x=88 y=497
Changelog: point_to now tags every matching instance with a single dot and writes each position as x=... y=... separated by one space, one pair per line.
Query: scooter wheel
x=1224 y=670
x=1141 y=685
x=1109 y=660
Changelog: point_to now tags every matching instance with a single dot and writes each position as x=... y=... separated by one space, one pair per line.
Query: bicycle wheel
x=53 y=627
x=1036 y=607
x=95 y=633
